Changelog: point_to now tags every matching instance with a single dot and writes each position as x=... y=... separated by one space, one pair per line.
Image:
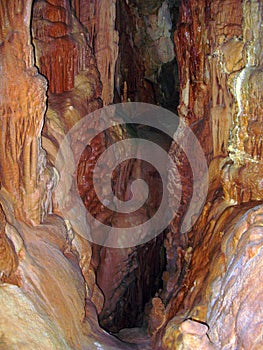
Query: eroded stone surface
x=22 y=111
x=212 y=296
x=208 y=268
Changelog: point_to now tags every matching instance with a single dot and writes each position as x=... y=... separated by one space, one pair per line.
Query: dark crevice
x=128 y=296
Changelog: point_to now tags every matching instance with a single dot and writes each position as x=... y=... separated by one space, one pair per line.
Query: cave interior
x=70 y=71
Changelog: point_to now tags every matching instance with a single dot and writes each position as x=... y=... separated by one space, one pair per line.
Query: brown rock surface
x=22 y=111
x=55 y=285
x=9 y=260
x=121 y=273
x=99 y=18
x=211 y=267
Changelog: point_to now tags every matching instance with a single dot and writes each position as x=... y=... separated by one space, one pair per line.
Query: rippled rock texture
x=22 y=111
x=210 y=269
x=61 y=60
x=99 y=18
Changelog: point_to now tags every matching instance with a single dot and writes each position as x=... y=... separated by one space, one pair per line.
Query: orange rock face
x=99 y=18
x=9 y=260
x=120 y=290
x=22 y=111
x=203 y=279
x=200 y=289
x=66 y=59
x=61 y=55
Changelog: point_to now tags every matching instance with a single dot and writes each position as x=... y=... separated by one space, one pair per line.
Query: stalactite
x=61 y=53
x=218 y=82
x=99 y=18
x=22 y=116
x=211 y=287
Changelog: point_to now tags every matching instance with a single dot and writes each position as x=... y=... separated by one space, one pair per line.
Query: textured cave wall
x=132 y=42
x=213 y=279
x=99 y=18
x=72 y=68
x=46 y=282
x=211 y=269
x=145 y=34
x=127 y=277
x=66 y=59
x=22 y=116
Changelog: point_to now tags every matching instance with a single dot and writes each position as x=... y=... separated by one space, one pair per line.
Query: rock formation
x=99 y=18
x=217 y=66
x=62 y=60
x=21 y=113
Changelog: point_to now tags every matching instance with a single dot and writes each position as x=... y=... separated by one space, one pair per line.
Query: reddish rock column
x=22 y=108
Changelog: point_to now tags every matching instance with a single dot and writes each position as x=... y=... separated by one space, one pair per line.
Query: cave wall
x=145 y=33
x=46 y=280
x=120 y=273
x=126 y=276
x=75 y=89
x=99 y=18
x=49 y=271
x=220 y=71
x=22 y=115
x=73 y=61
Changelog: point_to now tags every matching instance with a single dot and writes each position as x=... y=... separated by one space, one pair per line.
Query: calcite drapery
x=45 y=304
x=220 y=74
x=62 y=51
x=9 y=260
x=126 y=276
x=74 y=91
x=210 y=270
x=21 y=111
x=246 y=136
x=202 y=87
x=99 y=18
